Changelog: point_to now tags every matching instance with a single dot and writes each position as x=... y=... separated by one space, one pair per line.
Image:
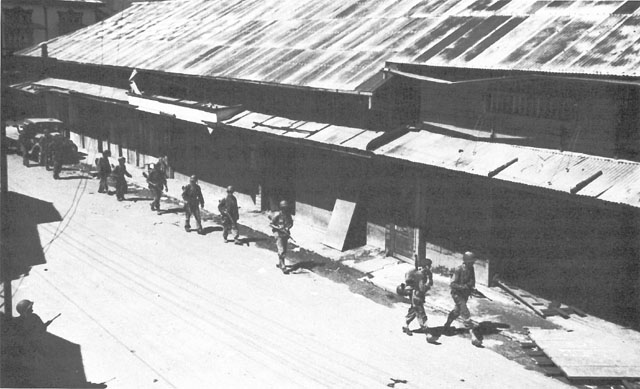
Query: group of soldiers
x=280 y=223
x=51 y=151
x=417 y=281
x=463 y=285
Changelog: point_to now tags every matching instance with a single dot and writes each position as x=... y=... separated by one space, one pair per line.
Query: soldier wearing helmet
x=28 y=323
x=281 y=225
x=120 y=172
x=104 y=170
x=228 y=208
x=157 y=181
x=418 y=281
x=463 y=283
x=192 y=196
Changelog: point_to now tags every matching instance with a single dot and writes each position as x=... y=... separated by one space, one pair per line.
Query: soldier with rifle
x=157 y=181
x=120 y=172
x=192 y=196
x=463 y=285
x=104 y=170
x=228 y=208
x=281 y=225
x=417 y=283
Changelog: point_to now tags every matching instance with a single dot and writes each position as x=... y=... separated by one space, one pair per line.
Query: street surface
x=152 y=306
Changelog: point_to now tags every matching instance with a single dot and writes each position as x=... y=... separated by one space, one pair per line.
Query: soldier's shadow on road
x=304 y=265
x=136 y=199
x=73 y=177
x=250 y=240
x=490 y=327
x=482 y=329
x=210 y=229
x=167 y=211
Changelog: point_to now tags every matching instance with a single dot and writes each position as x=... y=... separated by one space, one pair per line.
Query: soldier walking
x=192 y=195
x=228 y=208
x=24 y=148
x=281 y=226
x=418 y=282
x=157 y=181
x=463 y=283
x=56 y=151
x=120 y=172
x=104 y=170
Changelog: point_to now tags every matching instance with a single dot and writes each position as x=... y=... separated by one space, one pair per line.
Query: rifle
x=283 y=231
x=479 y=294
x=51 y=321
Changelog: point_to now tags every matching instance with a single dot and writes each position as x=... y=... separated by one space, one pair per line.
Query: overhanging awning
x=338 y=138
x=58 y=85
x=616 y=181
x=187 y=110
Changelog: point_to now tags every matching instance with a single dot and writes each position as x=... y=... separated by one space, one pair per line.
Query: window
x=545 y=107
x=69 y=21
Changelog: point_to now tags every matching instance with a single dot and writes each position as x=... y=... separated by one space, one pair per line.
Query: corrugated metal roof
x=347 y=138
x=584 y=37
x=555 y=170
x=343 y=45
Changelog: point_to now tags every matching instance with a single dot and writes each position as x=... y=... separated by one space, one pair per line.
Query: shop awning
x=59 y=85
x=187 y=110
x=340 y=138
x=616 y=181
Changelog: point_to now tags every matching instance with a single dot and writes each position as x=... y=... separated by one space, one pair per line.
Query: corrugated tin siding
x=341 y=45
x=560 y=171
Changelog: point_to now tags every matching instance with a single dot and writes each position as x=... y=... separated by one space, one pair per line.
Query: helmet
x=193 y=178
x=230 y=189
x=23 y=306
x=469 y=257
x=401 y=290
x=284 y=204
x=122 y=159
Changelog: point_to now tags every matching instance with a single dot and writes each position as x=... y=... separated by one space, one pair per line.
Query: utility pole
x=5 y=274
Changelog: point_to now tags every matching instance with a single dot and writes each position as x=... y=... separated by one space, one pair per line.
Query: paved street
x=152 y=307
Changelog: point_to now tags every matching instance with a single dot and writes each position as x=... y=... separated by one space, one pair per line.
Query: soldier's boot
x=475 y=340
x=450 y=320
x=407 y=331
x=200 y=231
x=281 y=264
x=224 y=237
x=187 y=227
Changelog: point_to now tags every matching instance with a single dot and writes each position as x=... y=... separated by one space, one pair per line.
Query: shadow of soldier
x=481 y=329
x=47 y=361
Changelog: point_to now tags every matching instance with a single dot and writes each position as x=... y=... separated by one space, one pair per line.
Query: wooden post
x=5 y=273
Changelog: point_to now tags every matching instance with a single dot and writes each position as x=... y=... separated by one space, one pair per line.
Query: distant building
x=26 y=23
x=510 y=128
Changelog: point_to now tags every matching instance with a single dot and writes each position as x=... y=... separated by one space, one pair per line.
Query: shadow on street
x=20 y=237
x=46 y=362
